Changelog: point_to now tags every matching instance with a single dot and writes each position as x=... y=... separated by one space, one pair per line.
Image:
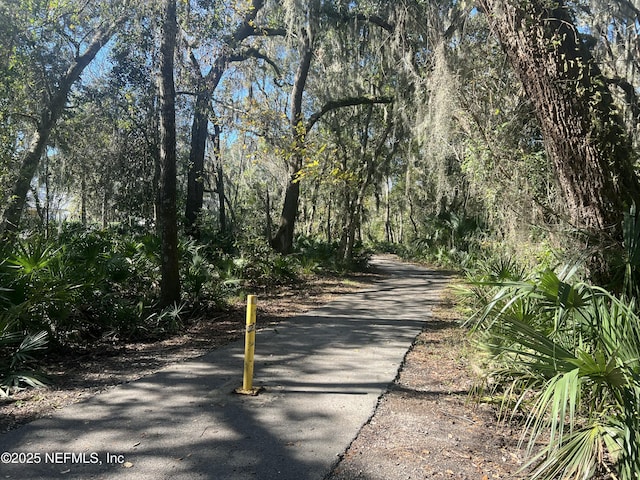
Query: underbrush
x=448 y=240
x=89 y=285
x=563 y=358
x=561 y=355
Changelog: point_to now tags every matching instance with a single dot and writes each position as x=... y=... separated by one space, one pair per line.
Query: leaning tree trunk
x=267 y=211
x=282 y=241
x=48 y=119
x=584 y=135
x=167 y=215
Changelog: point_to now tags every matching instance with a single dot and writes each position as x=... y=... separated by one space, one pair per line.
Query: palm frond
x=568 y=357
x=578 y=457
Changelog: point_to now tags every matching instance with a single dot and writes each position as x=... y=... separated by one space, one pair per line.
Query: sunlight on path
x=323 y=373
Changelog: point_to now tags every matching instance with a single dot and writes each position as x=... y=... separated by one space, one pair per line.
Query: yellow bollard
x=249 y=349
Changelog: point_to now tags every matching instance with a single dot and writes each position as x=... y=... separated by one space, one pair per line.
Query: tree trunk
x=387 y=219
x=267 y=208
x=355 y=215
x=199 y=129
x=195 y=175
x=103 y=210
x=354 y=221
x=329 y=221
x=83 y=198
x=299 y=130
x=167 y=215
x=314 y=210
x=48 y=119
x=217 y=154
x=283 y=239
x=47 y=199
x=36 y=201
x=345 y=221
x=584 y=135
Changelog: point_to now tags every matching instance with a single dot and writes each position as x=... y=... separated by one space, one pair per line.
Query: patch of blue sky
x=100 y=66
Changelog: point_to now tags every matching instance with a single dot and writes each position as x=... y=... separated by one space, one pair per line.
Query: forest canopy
x=350 y=121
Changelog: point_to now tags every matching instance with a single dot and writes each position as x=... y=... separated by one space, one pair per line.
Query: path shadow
x=323 y=373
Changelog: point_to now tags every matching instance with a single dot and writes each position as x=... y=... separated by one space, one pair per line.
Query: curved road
x=323 y=373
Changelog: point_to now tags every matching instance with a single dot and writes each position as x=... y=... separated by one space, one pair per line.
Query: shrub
x=16 y=355
x=566 y=355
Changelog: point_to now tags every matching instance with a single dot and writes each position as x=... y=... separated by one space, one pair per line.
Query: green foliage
x=259 y=265
x=318 y=256
x=197 y=272
x=566 y=355
x=86 y=285
x=449 y=240
x=16 y=354
x=39 y=293
x=26 y=302
x=117 y=272
x=79 y=286
x=624 y=259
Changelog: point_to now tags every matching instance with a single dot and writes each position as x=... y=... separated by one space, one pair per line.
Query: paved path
x=323 y=373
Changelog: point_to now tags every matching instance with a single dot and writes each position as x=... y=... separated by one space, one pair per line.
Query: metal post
x=249 y=349
x=249 y=343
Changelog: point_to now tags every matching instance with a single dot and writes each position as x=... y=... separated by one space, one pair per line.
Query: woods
x=584 y=133
x=158 y=160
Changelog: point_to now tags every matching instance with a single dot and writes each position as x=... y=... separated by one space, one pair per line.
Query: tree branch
x=35 y=120
x=458 y=18
x=270 y=32
x=373 y=19
x=257 y=54
x=631 y=7
x=248 y=28
x=344 y=102
x=376 y=20
x=243 y=31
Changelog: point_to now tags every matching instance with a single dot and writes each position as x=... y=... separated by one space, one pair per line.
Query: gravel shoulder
x=426 y=425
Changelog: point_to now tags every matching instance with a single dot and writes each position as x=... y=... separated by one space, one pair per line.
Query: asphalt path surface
x=323 y=373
